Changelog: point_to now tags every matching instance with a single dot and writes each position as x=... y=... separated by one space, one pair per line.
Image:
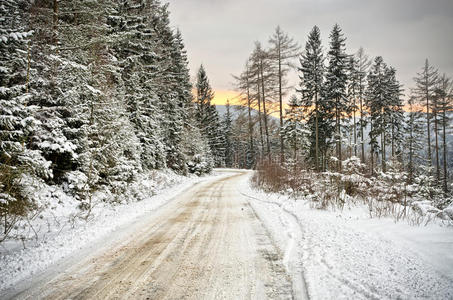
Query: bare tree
x=425 y=86
x=283 y=50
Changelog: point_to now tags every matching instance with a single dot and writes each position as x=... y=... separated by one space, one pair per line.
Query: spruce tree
x=414 y=131
x=335 y=86
x=311 y=85
x=227 y=128
x=295 y=132
x=376 y=94
x=208 y=117
x=361 y=70
x=17 y=124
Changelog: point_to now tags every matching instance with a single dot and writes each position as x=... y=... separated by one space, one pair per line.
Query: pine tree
x=335 y=86
x=414 y=132
x=311 y=85
x=17 y=124
x=361 y=70
x=137 y=54
x=208 y=117
x=376 y=94
x=294 y=131
x=227 y=125
x=395 y=111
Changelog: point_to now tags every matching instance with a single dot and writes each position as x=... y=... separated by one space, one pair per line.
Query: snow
x=347 y=255
x=61 y=233
x=328 y=254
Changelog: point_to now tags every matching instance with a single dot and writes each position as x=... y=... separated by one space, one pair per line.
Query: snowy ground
x=346 y=255
x=60 y=234
x=216 y=237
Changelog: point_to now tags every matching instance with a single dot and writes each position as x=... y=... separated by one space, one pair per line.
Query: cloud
x=220 y=33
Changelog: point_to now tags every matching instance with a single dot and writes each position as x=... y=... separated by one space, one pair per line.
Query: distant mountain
x=236 y=110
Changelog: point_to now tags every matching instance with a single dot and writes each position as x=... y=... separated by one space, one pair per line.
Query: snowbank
x=346 y=255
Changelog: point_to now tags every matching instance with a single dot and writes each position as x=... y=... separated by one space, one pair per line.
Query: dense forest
x=92 y=94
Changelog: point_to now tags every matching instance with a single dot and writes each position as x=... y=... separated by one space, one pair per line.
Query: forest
x=95 y=95
x=350 y=132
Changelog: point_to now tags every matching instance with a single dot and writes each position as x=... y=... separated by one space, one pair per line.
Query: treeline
x=346 y=105
x=92 y=93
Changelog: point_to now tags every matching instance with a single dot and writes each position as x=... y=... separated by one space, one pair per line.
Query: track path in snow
x=207 y=243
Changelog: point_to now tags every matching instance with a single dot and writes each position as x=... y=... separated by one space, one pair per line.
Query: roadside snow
x=346 y=255
x=59 y=234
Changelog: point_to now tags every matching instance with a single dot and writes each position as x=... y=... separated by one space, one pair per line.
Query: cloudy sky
x=221 y=33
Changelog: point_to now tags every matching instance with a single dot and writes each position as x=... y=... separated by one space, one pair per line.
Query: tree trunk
x=444 y=140
x=250 y=115
x=265 y=112
x=280 y=94
x=393 y=140
x=372 y=153
x=316 y=133
x=259 y=114
x=361 y=123
x=411 y=140
x=428 y=125
x=337 y=121
x=436 y=142
x=55 y=23
x=355 y=129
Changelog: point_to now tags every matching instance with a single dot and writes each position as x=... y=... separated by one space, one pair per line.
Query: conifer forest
x=107 y=135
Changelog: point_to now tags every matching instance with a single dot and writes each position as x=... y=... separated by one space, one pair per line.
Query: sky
x=220 y=34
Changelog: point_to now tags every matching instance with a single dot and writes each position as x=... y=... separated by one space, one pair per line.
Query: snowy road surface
x=207 y=243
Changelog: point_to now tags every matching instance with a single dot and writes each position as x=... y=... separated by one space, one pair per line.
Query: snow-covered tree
x=311 y=85
x=335 y=85
x=227 y=129
x=295 y=132
x=17 y=124
x=208 y=117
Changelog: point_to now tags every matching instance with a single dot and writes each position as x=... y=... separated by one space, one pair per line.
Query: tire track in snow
x=294 y=244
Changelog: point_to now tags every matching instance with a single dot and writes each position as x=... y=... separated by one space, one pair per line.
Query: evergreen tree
x=335 y=86
x=208 y=117
x=414 y=132
x=361 y=70
x=395 y=111
x=17 y=124
x=311 y=85
x=227 y=131
x=137 y=55
x=295 y=132
x=376 y=94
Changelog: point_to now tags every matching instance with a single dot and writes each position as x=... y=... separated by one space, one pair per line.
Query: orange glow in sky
x=221 y=97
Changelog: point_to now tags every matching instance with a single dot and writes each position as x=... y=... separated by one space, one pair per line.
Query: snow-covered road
x=217 y=238
x=207 y=243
